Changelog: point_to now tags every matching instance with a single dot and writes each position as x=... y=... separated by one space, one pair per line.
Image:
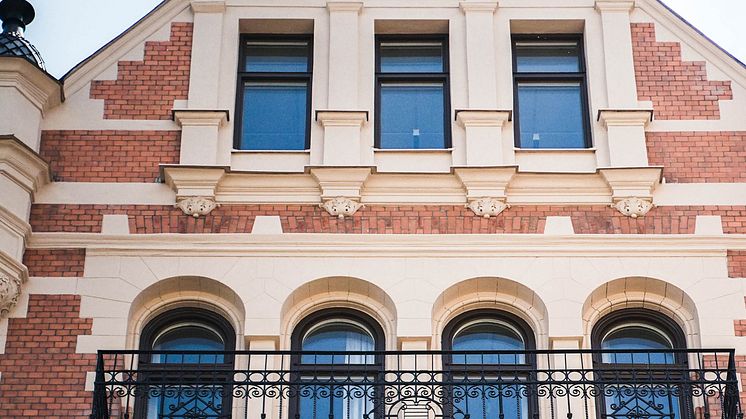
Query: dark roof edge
x=105 y=46
x=701 y=33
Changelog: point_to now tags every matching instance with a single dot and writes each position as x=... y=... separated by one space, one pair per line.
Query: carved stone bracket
x=10 y=290
x=487 y=207
x=196 y=206
x=341 y=207
x=634 y=207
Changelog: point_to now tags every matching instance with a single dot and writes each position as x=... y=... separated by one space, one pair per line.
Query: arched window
x=637 y=347
x=489 y=345
x=179 y=346
x=336 y=345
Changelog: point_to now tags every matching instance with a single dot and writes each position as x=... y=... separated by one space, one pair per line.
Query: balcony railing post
x=99 y=409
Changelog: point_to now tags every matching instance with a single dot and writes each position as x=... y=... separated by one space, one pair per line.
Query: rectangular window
x=551 y=102
x=274 y=93
x=412 y=99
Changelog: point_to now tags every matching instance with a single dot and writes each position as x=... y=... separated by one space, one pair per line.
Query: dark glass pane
x=547 y=57
x=276 y=57
x=551 y=115
x=411 y=57
x=488 y=336
x=640 y=338
x=274 y=116
x=412 y=116
x=338 y=337
x=188 y=338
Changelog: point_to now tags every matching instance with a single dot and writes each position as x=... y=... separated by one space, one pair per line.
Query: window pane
x=637 y=338
x=412 y=116
x=276 y=57
x=338 y=337
x=551 y=115
x=547 y=57
x=488 y=336
x=411 y=57
x=274 y=116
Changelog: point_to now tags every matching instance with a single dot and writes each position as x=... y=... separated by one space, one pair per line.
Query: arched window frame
x=177 y=371
x=639 y=317
x=298 y=368
x=526 y=369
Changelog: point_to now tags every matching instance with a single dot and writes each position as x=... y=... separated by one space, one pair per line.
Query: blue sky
x=67 y=31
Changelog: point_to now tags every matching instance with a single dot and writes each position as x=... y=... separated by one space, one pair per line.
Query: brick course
x=42 y=376
x=699 y=157
x=55 y=262
x=147 y=89
x=152 y=219
x=737 y=263
x=109 y=156
x=678 y=89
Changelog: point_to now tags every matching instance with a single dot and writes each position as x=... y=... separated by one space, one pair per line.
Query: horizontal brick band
x=453 y=219
x=55 y=262
x=109 y=156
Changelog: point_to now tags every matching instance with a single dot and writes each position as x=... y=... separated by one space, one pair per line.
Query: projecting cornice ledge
x=615 y=5
x=478 y=6
x=22 y=164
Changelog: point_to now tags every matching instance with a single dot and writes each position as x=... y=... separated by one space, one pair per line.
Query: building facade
x=556 y=185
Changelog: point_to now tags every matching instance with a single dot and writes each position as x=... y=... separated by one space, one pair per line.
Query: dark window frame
x=649 y=318
x=528 y=368
x=246 y=76
x=443 y=77
x=580 y=77
x=296 y=345
x=187 y=314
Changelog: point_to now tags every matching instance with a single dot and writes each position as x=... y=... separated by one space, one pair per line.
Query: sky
x=68 y=31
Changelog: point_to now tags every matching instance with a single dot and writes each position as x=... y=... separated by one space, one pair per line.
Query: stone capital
x=344 y=6
x=193 y=181
x=625 y=117
x=341 y=118
x=483 y=117
x=340 y=182
x=208 y=6
x=478 y=6
x=201 y=117
x=615 y=5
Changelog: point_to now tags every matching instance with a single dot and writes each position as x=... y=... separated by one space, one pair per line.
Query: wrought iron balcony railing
x=417 y=385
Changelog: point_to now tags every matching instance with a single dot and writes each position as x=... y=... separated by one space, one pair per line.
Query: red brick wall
x=699 y=157
x=737 y=263
x=678 y=89
x=54 y=262
x=152 y=219
x=109 y=156
x=42 y=376
x=147 y=89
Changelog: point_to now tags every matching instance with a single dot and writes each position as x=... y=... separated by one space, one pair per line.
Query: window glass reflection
x=276 y=57
x=551 y=115
x=274 y=116
x=412 y=116
x=411 y=57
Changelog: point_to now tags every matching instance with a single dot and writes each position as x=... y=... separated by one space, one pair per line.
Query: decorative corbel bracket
x=632 y=188
x=12 y=276
x=341 y=207
x=195 y=187
x=340 y=188
x=196 y=206
x=486 y=188
x=487 y=207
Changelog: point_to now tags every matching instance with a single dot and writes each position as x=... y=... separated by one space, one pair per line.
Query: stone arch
x=185 y=291
x=335 y=292
x=643 y=292
x=493 y=293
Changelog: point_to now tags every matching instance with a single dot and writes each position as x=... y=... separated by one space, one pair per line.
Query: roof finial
x=16 y=14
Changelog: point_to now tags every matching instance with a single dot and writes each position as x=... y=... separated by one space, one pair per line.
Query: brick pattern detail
x=699 y=157
x=109 y=156
x=54 y=262
x=42 y=376
x=147 y=89
x=678 y=89
x=737 y=263
x=153 y=219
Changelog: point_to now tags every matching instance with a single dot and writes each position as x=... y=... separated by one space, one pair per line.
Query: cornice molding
x=201 y=117
x=41 y=89
x=483 y=117
x=440 y=245
x=615 y=5
x=344 y=6
x=208 y=6
x=14 y=223
x=22 y=164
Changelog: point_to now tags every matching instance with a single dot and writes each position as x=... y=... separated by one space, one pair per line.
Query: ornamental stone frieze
x=634 y=207
x=341 y=207
x=487 y=207
x=196 y=206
